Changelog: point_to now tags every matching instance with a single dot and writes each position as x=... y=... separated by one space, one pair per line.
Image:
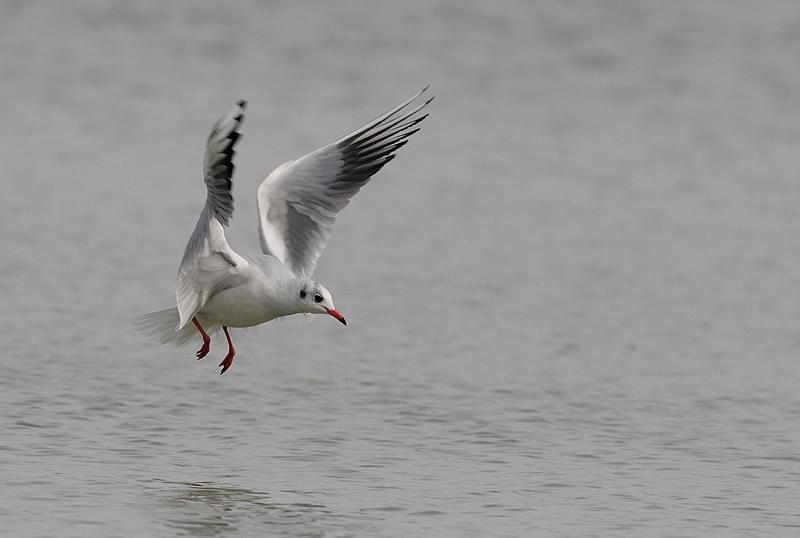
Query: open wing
x=298 y=202
x=209 y=264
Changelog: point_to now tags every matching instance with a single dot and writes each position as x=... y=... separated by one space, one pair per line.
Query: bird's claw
x=203 y=350
x=226 y=363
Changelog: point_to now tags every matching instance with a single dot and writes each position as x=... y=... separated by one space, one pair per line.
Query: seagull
x=297 y=206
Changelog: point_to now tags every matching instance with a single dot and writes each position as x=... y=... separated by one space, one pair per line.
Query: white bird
x=297 y=207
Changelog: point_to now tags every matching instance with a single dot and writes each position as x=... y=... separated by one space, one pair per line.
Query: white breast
x=240 y=306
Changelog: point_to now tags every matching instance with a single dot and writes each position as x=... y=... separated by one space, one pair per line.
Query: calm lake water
x=573 y=299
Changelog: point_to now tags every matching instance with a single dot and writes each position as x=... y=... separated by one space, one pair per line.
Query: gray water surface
x=572 y=299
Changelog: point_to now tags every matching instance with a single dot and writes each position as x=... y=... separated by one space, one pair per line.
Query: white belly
x=238 y=307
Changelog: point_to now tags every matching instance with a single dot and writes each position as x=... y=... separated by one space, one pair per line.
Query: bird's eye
x=302 y=294
x=317 y=298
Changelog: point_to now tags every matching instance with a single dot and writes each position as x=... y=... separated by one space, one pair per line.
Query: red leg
x=228 y=360
x=206 y=340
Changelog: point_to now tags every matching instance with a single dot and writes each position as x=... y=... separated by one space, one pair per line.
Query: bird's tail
x=161 y=327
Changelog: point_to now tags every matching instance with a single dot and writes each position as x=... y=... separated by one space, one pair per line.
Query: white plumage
x=297 y=205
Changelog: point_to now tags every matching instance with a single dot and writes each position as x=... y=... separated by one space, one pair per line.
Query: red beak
x=338 y=315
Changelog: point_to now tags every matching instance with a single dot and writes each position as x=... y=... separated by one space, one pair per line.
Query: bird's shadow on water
x=206 y=509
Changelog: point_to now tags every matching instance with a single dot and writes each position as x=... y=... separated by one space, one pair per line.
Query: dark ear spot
x=303 y=293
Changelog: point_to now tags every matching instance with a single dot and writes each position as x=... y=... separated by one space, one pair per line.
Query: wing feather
x=298 y=202
x=209 y=264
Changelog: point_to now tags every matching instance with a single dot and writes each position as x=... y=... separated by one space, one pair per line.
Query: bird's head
x=316 y=299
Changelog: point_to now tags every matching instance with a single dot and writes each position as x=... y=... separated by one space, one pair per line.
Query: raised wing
x=298 y=202
x=209 y=264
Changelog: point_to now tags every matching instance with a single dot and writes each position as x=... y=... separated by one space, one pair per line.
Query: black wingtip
x=242 y=103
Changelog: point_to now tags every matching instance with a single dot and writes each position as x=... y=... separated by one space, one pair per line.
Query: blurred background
x=572 y=298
